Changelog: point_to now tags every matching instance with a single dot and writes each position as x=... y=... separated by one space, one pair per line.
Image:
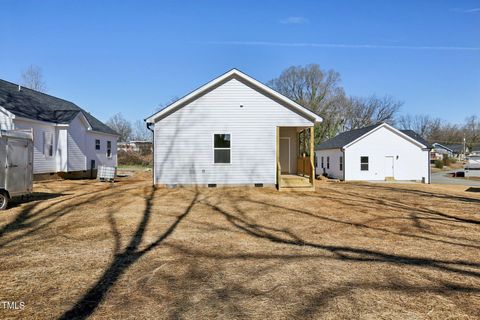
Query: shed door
x=389 y=173
x=17 y=166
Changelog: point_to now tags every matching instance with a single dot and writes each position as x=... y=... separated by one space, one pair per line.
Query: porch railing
x=304 y=166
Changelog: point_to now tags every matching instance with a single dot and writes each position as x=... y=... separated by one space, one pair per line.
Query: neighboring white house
x=378 y=152
x=234 y=130
x=67 y=139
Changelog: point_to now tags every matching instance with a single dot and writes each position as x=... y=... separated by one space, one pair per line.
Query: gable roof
x=345 y=138
x=237 y=74
x=349 y=137
x=35 y=105
x=456 y=148
x=441 y=146
x=415 y=136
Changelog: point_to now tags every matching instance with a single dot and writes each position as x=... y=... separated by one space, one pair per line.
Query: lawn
x=390 y=251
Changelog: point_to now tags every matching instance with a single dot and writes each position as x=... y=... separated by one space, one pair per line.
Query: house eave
x=311 y=116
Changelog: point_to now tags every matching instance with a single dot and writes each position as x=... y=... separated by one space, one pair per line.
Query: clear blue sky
x=130 y=56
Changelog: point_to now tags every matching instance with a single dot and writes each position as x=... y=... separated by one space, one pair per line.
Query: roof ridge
x=36 y=91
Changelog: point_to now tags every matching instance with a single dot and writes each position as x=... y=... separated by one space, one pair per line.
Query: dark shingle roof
x=347 y=137
x=36 y=105
x=457 y=148
x=415 y=136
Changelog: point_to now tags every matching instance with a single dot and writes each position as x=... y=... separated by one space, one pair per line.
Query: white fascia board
x=43 y=122
x=234 y=72
x=8 y=113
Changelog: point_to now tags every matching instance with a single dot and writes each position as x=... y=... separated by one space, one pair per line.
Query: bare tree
x=140 y=131
x=472 y=130
x=317 y=90
x=420 y=123
x=32 y=78
x=363 y=112
x=121 y=126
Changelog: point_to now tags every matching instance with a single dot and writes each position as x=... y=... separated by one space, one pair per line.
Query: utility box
x=105 y=173
x=16 y=164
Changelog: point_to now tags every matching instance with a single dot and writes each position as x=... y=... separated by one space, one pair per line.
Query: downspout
x=153 y=151
x=429 y=167
x=344 y=162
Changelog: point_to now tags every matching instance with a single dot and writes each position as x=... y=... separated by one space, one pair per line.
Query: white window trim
x=47 y=155
x=367 y=163
x=99 y=145
x=213 y=149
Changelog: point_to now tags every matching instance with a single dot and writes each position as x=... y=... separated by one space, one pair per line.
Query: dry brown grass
x=346 y=251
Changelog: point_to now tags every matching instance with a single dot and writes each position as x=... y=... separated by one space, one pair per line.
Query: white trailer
x=472 y=168
x=16 y=164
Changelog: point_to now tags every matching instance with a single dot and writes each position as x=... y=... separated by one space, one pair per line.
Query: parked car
x=16 y=165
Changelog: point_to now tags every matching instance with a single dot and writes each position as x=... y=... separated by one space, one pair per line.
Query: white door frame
x=393 y=166
x=289 y=155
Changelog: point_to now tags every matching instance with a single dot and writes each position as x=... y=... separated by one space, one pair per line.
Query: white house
x=378 y=152
x=67 y=139
x=233 y=130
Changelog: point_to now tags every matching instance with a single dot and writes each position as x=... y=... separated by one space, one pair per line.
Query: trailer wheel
x=3 y=200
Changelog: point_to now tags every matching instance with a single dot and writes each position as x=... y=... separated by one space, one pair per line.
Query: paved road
x=444 y=178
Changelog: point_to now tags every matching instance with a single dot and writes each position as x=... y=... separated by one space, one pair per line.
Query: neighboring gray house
x=67 y=139
x=440 y=151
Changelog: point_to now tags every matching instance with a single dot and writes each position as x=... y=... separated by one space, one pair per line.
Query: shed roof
x=35 y=105
x=348 y=137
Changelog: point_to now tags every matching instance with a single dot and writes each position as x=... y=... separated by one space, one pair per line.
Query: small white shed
x=378 y=152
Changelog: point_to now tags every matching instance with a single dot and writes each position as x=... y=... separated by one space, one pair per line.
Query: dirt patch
x=348 y=250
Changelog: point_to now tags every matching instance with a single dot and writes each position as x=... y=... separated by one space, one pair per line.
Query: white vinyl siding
x=6 y=122
x=41 y=162
x=101 y=156
x=184 y=144
x=73 y=146
x=331 y=163
x=76 y=143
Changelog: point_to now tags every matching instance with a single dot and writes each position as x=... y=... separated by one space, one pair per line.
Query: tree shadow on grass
x=35 y=196
x=346 y=253
x=32 y=219
x=123 y=259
